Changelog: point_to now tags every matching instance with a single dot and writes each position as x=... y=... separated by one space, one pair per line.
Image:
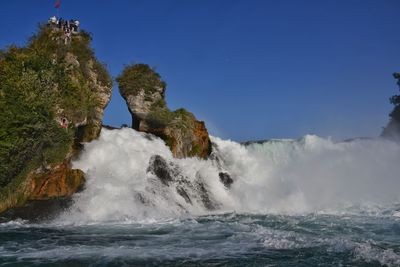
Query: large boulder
x=171 y=175
x=58 y=181
x=144 y=92
x=52 y=98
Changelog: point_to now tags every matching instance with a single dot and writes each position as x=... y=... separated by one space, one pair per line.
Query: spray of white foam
x=312 y=174
x=119 y=188
x=287 y=176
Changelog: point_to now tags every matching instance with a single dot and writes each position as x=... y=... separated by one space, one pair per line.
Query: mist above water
x=283 y=176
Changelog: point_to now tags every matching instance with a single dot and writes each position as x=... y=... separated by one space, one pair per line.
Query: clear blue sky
x=250 y=69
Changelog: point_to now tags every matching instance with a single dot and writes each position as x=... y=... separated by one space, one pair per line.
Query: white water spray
x=309 y=175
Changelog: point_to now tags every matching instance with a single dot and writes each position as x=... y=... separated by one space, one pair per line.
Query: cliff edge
x=144 y=92
x=52 y=97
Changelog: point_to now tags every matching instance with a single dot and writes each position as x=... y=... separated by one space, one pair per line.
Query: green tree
x=392 y=130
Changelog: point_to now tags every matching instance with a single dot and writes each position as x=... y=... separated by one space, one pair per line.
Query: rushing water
x=304 y=202
x=214 y=240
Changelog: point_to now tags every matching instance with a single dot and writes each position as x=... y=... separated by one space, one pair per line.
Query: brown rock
x=59 y=181
x=183 y=142
x=144 y=93
x=79 y=88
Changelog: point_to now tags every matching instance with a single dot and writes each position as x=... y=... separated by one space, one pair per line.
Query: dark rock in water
x=205 y=198
x=214 y=156
x=109 y=127
x=143 y=199
x=37 y=211
x=149 y=137
x=356 y=139
x=259 y=142
x=181 y=191
x=218 y=162
x=226 y=179
x=159 y=167
x=170 y=175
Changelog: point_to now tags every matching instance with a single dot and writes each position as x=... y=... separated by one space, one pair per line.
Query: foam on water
x=231 y=239
x=312 y=174
x=119 y=188
x=285 y=177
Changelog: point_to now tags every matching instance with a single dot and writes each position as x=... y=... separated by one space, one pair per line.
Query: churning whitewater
x=307 y=202
x=279 y=177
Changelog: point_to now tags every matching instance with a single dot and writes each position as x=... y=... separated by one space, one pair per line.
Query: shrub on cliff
x=395 y=100
x=39 y=84
x=137 y=77
x=27 y=125
x=144 y=92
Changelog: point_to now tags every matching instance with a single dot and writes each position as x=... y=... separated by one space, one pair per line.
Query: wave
x=311 y=174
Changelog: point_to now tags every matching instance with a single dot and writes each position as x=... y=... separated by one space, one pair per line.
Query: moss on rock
x=144 y=91
x=40 y=84
x=137 y=77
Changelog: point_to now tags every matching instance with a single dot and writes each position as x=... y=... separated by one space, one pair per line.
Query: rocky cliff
x=144 y=92
x=392 y=130
x=52 y=97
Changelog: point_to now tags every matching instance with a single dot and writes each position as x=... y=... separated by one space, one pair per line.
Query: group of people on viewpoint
x=68 y=27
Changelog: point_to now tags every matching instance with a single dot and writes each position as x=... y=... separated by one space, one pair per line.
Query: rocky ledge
x=52 y=98
x=144 y=93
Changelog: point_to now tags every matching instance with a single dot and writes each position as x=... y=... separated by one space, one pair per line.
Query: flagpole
x=57 y=6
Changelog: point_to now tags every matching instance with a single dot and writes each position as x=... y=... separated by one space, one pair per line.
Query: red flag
x=58 y=3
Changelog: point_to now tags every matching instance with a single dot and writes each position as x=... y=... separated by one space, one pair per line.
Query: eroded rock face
x=186 y=141
x=71 y=89
x=159 y=167
x=169 y=174
x=140 y=106
x=144 y=92
x=89 y=124
x=59 y=181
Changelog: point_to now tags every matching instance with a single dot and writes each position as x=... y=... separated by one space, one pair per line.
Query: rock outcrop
x=52 y=98
x=224 y=177
x=170 y=174
x=144 y=92
x=59 y=180
x=392 y=130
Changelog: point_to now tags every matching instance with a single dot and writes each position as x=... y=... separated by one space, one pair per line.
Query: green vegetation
x=144 y=92
x=141 y=77
x=196 y=150
x=38 y=84
x=392 y=130
x=162 y=116
x=395 y=100
x=27 y=126
x=138 y=77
